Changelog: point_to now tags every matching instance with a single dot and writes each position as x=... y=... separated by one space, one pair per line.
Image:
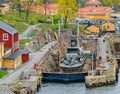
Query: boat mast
x=78 y=31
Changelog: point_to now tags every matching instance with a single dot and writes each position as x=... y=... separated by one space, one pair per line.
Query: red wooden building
x=9 y=36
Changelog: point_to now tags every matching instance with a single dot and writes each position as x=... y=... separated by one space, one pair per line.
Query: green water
x=78 y=88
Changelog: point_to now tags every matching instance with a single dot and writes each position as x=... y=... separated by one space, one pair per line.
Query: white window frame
x=5 y=36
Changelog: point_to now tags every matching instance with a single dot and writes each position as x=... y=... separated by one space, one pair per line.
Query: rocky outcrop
x=40 y=40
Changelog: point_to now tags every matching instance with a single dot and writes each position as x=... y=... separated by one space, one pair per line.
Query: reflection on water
x=78 y=88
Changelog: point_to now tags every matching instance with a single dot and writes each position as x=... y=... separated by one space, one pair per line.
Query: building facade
x=9 y=36
x=108 y=27
x=10 y=55
x=94 y=7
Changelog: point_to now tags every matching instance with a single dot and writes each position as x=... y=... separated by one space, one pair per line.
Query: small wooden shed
x=25 y=56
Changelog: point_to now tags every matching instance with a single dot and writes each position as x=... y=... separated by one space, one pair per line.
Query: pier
x=29 y=83
x=106 y=69
x=25 y=79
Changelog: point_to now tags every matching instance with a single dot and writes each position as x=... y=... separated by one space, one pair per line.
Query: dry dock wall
x=93 y=81
x=105 y=72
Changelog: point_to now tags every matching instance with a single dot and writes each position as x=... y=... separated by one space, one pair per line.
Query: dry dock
x=106 y=69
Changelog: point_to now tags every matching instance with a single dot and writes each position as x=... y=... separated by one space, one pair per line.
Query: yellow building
x=1 y=53
x=8 y=59
x=12 y=60
x=2 y=10
x=6 y=7
x=98 y=17
x=94 y=29
x=108 y=26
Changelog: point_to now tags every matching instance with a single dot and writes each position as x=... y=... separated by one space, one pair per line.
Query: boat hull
x=64 y=77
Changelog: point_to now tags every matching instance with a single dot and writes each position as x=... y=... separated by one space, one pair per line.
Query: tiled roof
x=52 y=6
x=94 y=10
x=48 y=7
x=34 y=8
x=7 y=28
x=93 y=2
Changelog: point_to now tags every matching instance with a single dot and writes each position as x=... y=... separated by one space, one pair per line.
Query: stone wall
x=93 y=81
x=43 y=37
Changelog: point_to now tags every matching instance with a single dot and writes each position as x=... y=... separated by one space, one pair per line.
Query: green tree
x=82 y=28
x=28 y=5
x=17 y=4
x=111 y=3
x=43 y=3
x=68 y=9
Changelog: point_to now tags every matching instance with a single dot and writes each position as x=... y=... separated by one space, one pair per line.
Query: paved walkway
x=25 y=34
x=35 y=57
x=102 y=48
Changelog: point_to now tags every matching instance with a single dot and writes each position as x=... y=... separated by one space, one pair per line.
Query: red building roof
x=93 y=2
x=94 y=7
x=50 y=9
x=8 y=28
x=94 y=10
x=51 y=6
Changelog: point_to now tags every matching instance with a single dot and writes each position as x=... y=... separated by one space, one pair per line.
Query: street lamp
x=92 y=62
x=92 y=57
x=62 y=20
x=52 y=20
x=78 y=33
x=59 y=28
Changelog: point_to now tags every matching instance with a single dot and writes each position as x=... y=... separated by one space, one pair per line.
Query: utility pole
x=59 y=28
x=92 y=58
x=92 y=63
x=52 y=21
x=62 y=20
x=78 y=33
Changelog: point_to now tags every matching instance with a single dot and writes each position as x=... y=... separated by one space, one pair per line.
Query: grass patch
x=13 y=19
x=3 y=73
x=23 y=42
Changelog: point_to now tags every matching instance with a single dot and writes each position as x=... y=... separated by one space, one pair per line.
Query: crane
x=62 y=46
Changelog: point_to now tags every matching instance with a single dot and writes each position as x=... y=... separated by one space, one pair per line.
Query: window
x=5 y=36
x=104 y=28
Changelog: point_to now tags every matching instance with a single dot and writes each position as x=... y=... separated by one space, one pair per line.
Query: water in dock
x=78 y=88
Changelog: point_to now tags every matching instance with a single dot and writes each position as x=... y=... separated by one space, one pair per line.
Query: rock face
x=45 y=36
x=40 y=40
